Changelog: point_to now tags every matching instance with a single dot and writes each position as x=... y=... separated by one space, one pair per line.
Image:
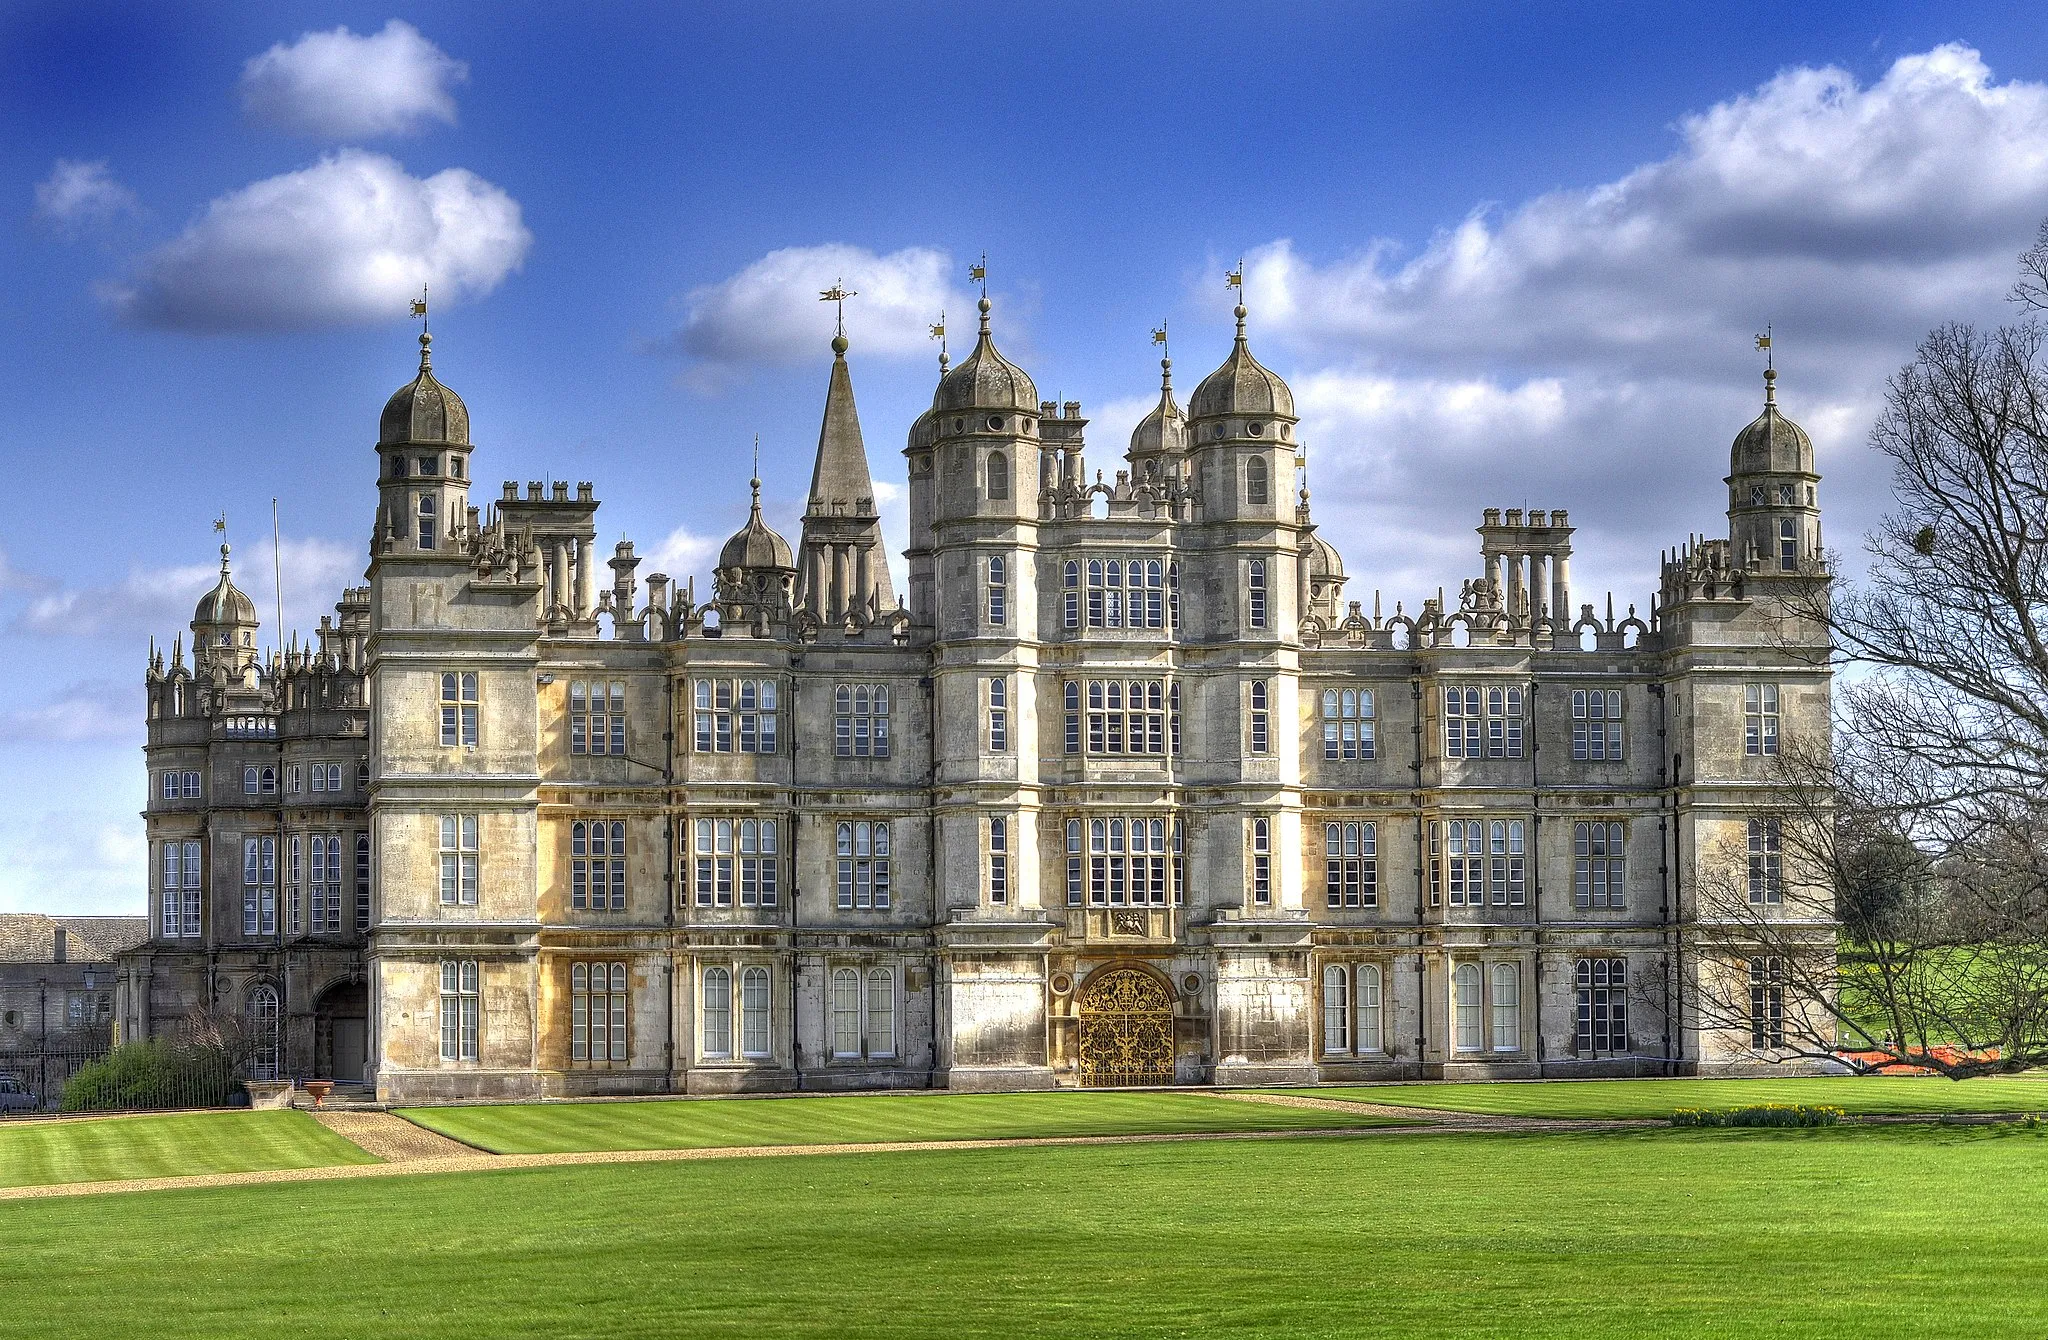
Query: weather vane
x=939 y=333
x=220 y=525
x=1763 y=342
x=419 y=308
x=839 y=293
x=1159 y=338
x=1235 y=279
x=979 y=274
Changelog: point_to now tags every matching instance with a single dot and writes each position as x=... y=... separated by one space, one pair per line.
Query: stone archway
x=341 y=1032
x=1126 y=1032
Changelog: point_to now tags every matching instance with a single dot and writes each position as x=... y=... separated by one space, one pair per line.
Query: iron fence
x=32 y=1082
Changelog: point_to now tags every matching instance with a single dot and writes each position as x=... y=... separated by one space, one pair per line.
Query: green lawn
x=33 y=1153
x=714 y=1123
x=1855 y=1231
x=1865 y=1095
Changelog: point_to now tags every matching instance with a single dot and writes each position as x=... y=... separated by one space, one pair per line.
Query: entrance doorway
x=341 y=1033
x=1126 y=1029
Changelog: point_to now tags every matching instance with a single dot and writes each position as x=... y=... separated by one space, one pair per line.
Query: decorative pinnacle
x=984 y=305
x=1770 y=386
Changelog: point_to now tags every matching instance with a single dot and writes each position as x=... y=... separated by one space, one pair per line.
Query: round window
x=1283 y=430
x=1257 y=429
x=995 y=423
x=1061 y=983
x=1027 y=425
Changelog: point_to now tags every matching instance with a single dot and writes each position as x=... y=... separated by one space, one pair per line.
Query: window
x=597 y=716
x=1344 y=1033
x=1507 y=1007
x=1122 y=593
x=426 y=521
x=169 y=782
x=323 y=883
x=1336 y=1009
x=1262 y=721
x=597 y=865
x=267 y=781
x=1070 y=595
x=1257 y=481
x=1351 y=864
x=259 y=886
x=1255 y=596
x=860 y=721
x=1124 y=716
x=362 y=774
x=319 y=781
x=178 y=897
x=1369 y=1035
x=180 y=786
x=249 y=781
x=863 y=1013
x=597 y=1012
x=1597 y=874
x=998 y=477
x=1074 y=863
x=1173 y=595
x=998 y=593
x=1348 y=725
x=1464 y=722
x=1788 y=495
x=461 y=1006
x=265 y=1056
x=294 y=779
x=717 y=1013
x=863 y=848
x=1262 y=861
x=1127 y=861
x=1766 y=1003
x=429 y=465
x=1472 y=859
x=458 y=708
x=998 y=860
x=736 y=855
x=735 y=716
x=362 y=881
x=1602 y=1006
x=753 y=1012
x=458 y=860
x=1759 y=719
x=333 y=777
x=1596 y=725
x=1788 y=544
x=1465 y=1005
x=1766 y=862
x=998 y=716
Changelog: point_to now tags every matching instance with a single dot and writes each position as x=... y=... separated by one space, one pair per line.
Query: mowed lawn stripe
x=104 y=1149
x=715 y=1123
x=1858 y=1095
x=1661 y=1232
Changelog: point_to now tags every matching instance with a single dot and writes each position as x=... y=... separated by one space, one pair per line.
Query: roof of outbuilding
x=31 y=937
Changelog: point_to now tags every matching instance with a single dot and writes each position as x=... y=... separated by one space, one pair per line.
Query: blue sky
x=1506 y=255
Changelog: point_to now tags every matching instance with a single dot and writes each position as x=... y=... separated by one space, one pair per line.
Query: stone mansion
x=1123 y=790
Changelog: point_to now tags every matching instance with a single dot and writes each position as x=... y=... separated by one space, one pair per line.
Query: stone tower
x=423 y=465
x=1773 y=494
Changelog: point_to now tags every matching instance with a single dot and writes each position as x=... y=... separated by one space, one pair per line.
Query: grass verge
x=1858 y=1095
x=104 y=1149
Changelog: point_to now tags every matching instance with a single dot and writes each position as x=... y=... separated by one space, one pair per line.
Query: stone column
x=1514 y=587
x=1561 y=585
x=1538 y=595
x=586 y=580
x=839 y=582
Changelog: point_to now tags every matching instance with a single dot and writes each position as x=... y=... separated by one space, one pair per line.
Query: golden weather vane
x=220 y=525
x=839 y=293
x=419 y=307
x=938 y=330
x=1159 y=338
x=1763 y=343
x=979 y=274
x=1235 y=279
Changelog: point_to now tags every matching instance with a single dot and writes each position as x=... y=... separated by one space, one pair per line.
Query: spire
x=839 y=478
x=843 y=565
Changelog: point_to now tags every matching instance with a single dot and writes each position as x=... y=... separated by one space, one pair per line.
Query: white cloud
x=769 y=312
x=682 y=555
x=342 y=86
x=91 y=710
x=159 y=602
x=349 y=239
x=77 y=194
x=75 y=862
x=1590 y=347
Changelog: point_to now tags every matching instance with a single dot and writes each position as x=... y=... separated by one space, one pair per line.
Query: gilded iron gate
x=1126 y=1029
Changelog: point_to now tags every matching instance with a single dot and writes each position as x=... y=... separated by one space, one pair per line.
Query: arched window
x=998 y=861
x=998 y=715
x=1788 y=545
x=427 y=521
x=1336 y=1009
x=1262 y=729
x=754 y=1012
x=1507 y=1007
x=1173 y=595
x=1155 y=592
x=1465 y=1000
x=268 y=781
x=1257 y=486
x=1071 y=608
x=998 y=476
x=1095 y=593
x=249 y=781
x=881 y=1012
x=264 y=1060
x=998 y=592
x=845 y=1013
x=1369 y=1035
x=718 y=1012
x=1255 y=593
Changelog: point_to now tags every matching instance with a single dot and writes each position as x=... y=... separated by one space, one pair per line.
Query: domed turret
x=756 y=573
x=423 y=466
x=1242 y=385
x=1772 y=443
x=1774 y=494
x=1163 y=432
x=224 y=623
x=985 y=380
x=754 y=545
x=423 y=410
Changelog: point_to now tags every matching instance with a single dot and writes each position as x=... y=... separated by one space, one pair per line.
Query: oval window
x=959 y=425
x=1027 y=425
x=1257 y=429
x=995 y=423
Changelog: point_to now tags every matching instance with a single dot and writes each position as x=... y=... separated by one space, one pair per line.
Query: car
x=15 y=1098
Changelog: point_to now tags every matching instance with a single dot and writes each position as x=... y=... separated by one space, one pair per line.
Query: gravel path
x=1435 y=1119
x=393 y=1139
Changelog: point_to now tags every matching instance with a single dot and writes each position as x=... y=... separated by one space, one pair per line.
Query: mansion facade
x=1122 y=790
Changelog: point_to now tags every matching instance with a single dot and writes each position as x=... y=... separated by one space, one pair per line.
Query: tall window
x=846 y=1017
x=1766 y=1003
x=717 y=1013
x=597 y=865
x=1766 y=862
x=427 y=519
x=323 y=883
x=266 y=1057
x=458 y=708
x=735 y=716
x=295 y=779
x=998 y=476
x=753 y=1012
x=1500 y=722
x=1369 y=1035
x=1351 y=864
x=1258 y=489
x=1255 y=595
x=863 y=847
x=1122 y=593
x=881 y=1007
x=1788 y=545
x=1262 y=861
x=998 y=860
x=1465 y=999
x=1507 y=1007
x=1336 y=1009
x=1598 y=878
x=362 y=881
x=1173 y=595
x=1127 y=861
x=458 y=860
x=1262 y=719
x=998 y=592
x=998 y=716
x=1072 y=695
x=860 y=721
x=597 y=716
x=293 y=872
x=1348 y=724
x=1760 y=718
x=597 y=1012
x=249 y=781
x=1124 y=716
x=1602 y=985
x=1070 y=595
x=863 y=1013
x=259 y=886
x=1349 y=987
x=1474 y=860
x=736 y=855
x=461 y=1009
x=1596 y=725
x=1074 y=863
x=179 y=895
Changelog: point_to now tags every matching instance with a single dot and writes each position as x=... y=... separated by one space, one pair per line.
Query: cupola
x=423 y=410
x=1242 y=386
x=985 y=380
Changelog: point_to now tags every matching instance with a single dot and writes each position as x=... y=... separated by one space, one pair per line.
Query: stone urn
x=319 y=1088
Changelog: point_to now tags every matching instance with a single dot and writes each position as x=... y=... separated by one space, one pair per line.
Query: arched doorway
x=1126 y=1029
x=341 y=1033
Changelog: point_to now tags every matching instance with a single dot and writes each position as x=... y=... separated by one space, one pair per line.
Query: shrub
x=1759 y=1114
x=153 y=1074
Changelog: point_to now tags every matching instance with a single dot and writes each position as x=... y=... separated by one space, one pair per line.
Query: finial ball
x=985 y=305
x=838 y=344
x=1238 y=312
